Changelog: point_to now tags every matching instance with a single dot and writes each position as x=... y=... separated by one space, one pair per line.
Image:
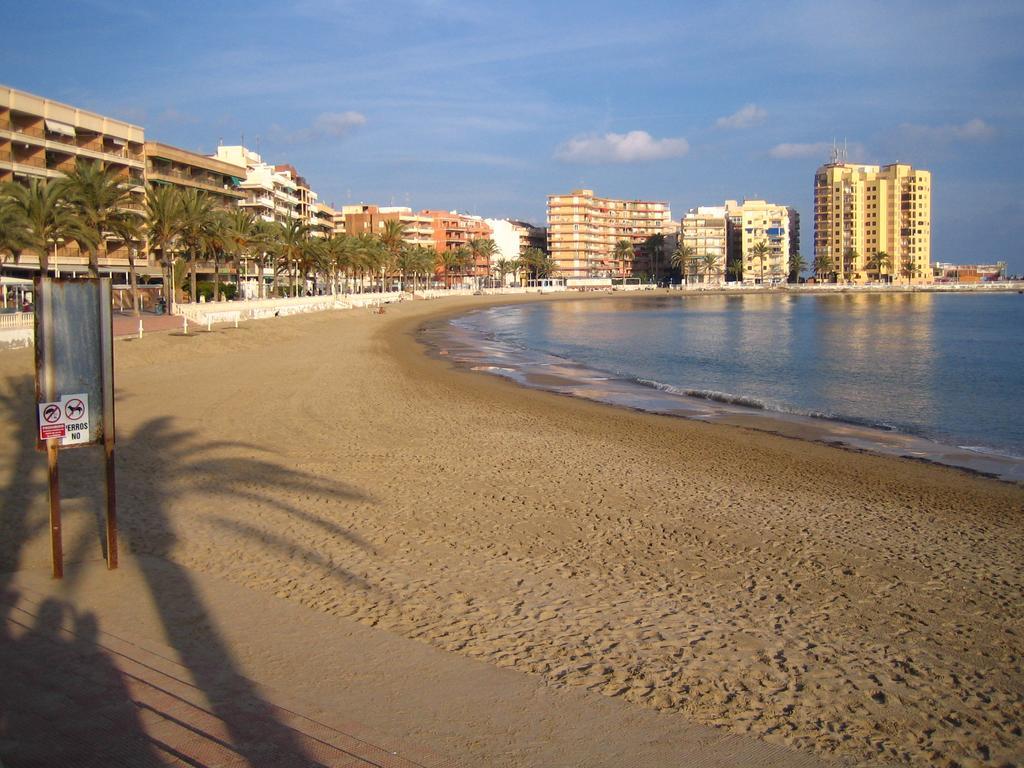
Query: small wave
x=708 y=394
x=993 y=452
x=727 y=398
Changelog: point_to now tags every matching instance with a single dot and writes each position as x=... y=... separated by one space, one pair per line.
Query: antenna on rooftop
x=837 y=155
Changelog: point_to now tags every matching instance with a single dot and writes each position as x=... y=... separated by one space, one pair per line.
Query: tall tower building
x=583 y=231
x=863 y=210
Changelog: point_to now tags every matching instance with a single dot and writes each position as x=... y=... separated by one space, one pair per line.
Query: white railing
x=17 y=320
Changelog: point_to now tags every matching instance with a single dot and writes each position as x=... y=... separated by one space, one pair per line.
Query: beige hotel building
x=860 y=210
x=583 y=230
x=758 y=221
x=43 y=139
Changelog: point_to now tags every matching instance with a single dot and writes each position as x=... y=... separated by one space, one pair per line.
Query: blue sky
x=489 y=107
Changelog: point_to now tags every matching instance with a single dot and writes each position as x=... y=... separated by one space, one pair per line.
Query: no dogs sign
x=66 y=420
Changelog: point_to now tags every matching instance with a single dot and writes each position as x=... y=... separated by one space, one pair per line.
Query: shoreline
x=531 y=368
x=815 y=598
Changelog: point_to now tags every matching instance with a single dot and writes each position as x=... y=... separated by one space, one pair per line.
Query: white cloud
x=327 y=125
x=973 y=130
x=337 y=123
x=744 y=117
x=632 y=147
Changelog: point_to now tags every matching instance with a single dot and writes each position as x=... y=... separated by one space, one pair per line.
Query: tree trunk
x=192 y=280
x=134 y=279
x=169 y=285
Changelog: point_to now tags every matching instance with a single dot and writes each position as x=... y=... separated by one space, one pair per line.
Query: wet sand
x=863 y=608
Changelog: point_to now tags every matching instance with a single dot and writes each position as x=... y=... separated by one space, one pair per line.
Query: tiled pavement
x=126 y=324
x=71 y=695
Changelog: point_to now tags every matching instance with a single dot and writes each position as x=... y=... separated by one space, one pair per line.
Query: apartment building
x=511 y=237
x=323 y=220
x=43 y=139
x=705 y=230
x=452 y=230
x=861 y=210
x=180 y=168
x=756 y=222
x=270 y=194
x=583 y=231
x=308 y=199
x=362 y=218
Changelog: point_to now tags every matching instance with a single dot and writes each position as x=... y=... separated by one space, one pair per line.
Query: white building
x=272 y=195
x=511 y=237
x=705 y=231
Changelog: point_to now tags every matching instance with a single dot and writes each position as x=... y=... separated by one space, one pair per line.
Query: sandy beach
x=863 y=609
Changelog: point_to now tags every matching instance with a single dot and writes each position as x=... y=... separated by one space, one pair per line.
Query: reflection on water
x=937 y=366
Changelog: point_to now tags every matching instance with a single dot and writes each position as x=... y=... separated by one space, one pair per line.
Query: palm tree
x=760 y=253
x=422 y=260
x=12 y=238
x=823 y=266
x=623 y=253
x=293 y=238
x=370 y=256
x=163 y=227
x=392 y=237
x=850 y=257
x=881 y=262
x=102 y=201
x=313 y=261
x=736 y=267
x=505 y=267
x=266 y=243
x=681 y=258
x=796 y=266
x=538 y=264
x=197 y=216
x=709 y=265
x=41 y=217
x=216 y=243
x=908 y=268
x=405 y=263
x=241 y=239
x=655 y=247
x=481 y=251
x=515 y=266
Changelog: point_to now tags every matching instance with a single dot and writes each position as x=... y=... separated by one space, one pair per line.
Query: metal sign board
x=74 y=360
x=75 y=388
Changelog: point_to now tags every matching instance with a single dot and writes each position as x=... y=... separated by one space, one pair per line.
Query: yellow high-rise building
x=861 y=211
x=583 y=231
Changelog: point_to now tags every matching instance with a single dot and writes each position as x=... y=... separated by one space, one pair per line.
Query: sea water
x=947 y=368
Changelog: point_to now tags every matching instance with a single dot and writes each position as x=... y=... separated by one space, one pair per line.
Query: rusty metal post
x=107 y=376
x=56 y=542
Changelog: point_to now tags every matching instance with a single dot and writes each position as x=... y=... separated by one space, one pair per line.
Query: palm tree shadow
x=162 y=470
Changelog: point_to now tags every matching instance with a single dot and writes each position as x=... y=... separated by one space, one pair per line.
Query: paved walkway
x=126 y=324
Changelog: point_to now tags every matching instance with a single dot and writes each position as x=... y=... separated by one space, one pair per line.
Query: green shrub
x=205 y=290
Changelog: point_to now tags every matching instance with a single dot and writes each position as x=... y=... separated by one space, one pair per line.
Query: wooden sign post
x=75 y=388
